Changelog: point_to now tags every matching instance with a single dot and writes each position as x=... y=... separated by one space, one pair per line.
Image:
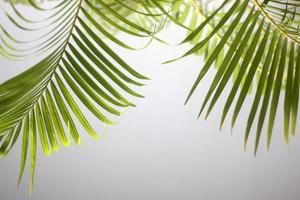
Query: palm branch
x=243 y=39
x=77 y=62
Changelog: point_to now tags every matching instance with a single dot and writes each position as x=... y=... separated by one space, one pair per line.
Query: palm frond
x=77 y=63
x=250 y=37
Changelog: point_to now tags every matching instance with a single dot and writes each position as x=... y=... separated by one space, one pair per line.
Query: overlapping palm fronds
x=243 y=39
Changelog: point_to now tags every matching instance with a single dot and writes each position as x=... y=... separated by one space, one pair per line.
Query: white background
x=159 y=150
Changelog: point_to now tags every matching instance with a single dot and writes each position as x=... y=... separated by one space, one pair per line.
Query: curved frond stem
x=270 y=19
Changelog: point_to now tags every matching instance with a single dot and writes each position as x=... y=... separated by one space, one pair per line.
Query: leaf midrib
x=63 y=50
x=274 y=23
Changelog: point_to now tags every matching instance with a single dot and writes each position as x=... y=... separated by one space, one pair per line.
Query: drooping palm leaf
x=77 y=62
x=265 y=42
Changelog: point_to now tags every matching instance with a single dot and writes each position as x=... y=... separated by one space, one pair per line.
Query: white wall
x=159 y=150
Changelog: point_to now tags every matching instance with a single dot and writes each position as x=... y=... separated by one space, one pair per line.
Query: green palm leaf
x=246 y=47
x=77 y=62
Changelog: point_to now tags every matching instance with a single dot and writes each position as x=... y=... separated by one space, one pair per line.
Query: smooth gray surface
x=159 y=150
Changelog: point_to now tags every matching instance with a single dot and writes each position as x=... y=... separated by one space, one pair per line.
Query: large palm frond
x=76 y=63
x=245 y=38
